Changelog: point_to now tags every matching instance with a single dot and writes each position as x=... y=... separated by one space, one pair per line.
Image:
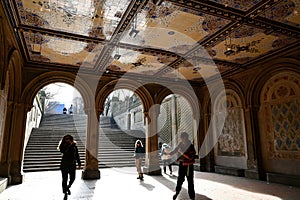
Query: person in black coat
x=139 y=154
x=67 y=146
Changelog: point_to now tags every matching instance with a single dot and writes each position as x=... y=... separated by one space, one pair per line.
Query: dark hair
x=138 y=142
x=184 y=135
x=68 y=137
x=63 y=144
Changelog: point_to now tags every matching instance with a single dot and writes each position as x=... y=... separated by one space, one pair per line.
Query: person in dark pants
x=139 y=154
x=186 y=157
x=67 y=146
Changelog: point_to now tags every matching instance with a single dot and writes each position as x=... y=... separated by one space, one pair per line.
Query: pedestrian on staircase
x=67 y=146
x=139 y=154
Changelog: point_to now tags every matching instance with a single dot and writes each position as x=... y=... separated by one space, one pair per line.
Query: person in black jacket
x=186 y=155
x=139 y=154
x=67 y=146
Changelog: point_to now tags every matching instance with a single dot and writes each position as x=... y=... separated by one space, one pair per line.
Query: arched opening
x=176 y=116
x=57 y=110
x=122 y=122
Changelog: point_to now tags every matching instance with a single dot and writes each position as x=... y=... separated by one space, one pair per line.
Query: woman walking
x=67 y=146
x=139 y=154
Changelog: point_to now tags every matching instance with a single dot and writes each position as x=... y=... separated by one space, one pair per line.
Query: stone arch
x=279 y=115
x=15 y=75
x=191 y=97
x=9 y=94
x=47 y=78
x=232 y=85
x=136 y=87
x=255 y=87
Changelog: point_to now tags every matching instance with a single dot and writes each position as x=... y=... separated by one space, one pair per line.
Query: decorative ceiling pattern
x=243 y=5
x=171 y=39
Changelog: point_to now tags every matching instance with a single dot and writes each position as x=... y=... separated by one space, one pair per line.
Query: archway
x=279 y=123
x=176 y=116
x=47 y=123
x=121 y=124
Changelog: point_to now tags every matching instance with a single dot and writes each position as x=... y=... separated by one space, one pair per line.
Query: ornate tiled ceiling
x=170 y=39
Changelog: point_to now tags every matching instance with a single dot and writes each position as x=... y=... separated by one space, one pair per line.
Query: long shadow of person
x=171 y=185
x=147 y=186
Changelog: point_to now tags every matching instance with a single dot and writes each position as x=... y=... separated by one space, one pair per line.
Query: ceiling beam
x=132 y=10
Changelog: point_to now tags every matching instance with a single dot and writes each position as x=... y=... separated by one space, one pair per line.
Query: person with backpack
x=67 y=146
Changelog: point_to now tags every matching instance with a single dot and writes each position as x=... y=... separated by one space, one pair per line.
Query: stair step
x=116 y=146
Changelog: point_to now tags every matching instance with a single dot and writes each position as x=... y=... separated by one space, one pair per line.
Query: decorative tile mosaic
x=61 y=51
x=254 y=43
x=162 y=27
x=83 y=17
x=137 y=62
x=281 y=108
x=287 y=12
x=238 y=4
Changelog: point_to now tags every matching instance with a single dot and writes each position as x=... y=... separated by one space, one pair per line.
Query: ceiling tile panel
x=287 y=12
x=55 y=50
x=172 y=28
x=247 y=43
x=137 y=62
x=243 y=5
x=97 y=19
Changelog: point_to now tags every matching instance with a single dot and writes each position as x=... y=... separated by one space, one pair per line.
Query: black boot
x=141 y=176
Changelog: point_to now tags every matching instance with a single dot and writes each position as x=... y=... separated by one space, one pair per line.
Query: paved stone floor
x=121 y=183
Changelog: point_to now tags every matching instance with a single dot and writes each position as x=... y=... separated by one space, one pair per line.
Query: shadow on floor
x=183 y=193
x=247 y=184
x=147 y=186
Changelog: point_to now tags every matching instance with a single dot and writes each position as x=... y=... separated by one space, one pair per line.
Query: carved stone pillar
x=91 y=170
x=253 y=145
x=11 y=160
x=206 y=160
x=174 y=121
x=152 y=166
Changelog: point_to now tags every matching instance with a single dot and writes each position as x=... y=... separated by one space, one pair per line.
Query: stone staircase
x=115 y=146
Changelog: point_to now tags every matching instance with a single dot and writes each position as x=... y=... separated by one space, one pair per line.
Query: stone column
x=5 y=144
x=11 y=160
x=253 y=145
x=174 y=121
x=206 y=161
x=91 y=170
x=152 y=166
